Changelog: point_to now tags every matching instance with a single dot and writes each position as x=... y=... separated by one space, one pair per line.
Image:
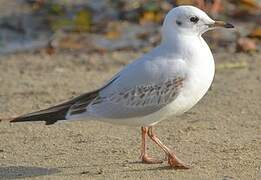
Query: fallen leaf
x=83 y=20
x=251 y=4
x=151 y=16
x=113 y=35
x=256 y=33
x=148 y=17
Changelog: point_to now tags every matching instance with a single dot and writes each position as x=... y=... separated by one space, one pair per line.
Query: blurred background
x=89 y=26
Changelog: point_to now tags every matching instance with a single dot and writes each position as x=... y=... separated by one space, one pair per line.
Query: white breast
x=200 y=77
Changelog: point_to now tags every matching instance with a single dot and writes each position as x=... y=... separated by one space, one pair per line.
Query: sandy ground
x=219 y=138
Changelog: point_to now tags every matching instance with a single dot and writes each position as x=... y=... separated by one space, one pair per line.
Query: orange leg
x=173 y=161
x=144 y=156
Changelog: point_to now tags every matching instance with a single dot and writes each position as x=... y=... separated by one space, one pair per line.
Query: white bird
x=166 y=82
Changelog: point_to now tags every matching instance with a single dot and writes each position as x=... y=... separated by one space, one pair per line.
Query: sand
x=219 y=138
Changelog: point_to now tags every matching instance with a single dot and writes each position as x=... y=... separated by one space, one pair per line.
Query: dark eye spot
x=194 y=19
x=178 y=23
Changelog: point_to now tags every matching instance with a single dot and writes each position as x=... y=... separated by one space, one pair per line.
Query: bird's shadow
x=22 y=172
x=146 y=167
x=17 y=172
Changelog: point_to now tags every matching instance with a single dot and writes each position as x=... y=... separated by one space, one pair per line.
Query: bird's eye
x=194 y=19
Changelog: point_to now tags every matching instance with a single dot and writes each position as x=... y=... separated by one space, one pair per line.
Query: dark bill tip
x=222 y=24
x=228 y=25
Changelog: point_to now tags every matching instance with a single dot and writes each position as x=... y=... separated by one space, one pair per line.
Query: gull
x=166 y=82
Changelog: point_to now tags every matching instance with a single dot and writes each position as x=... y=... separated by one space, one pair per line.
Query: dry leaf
x=148 y=17
x=256 y=33
x=113 y=35
x=83 y=20
x=251 y=4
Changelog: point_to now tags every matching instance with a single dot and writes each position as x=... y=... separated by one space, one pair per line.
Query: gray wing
x=133 y=102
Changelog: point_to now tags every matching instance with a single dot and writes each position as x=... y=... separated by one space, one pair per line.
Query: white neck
x=184 y=43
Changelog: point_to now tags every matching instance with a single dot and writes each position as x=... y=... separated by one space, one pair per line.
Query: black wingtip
x=48 y=118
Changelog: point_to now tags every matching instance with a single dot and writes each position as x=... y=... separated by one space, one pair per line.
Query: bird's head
x=190 y=20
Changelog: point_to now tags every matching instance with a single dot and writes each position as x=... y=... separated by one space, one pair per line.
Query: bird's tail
x=55 y=113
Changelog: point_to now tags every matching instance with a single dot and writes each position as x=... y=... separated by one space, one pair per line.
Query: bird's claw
x=148 y=160
x=175 y=163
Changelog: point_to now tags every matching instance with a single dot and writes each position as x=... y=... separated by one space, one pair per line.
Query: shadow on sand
x=15 y=172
